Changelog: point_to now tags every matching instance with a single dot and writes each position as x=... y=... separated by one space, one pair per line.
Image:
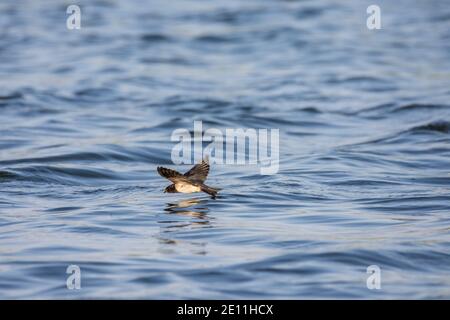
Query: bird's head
x=170 y=189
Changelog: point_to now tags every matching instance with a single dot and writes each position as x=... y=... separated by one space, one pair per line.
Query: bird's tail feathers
x=209 y=190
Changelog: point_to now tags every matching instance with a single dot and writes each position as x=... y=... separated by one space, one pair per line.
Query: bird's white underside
x=186 y=188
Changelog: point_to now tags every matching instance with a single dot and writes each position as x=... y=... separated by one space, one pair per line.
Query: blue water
x=86 y=117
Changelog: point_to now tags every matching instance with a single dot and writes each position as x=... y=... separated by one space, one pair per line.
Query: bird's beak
x=165 y=191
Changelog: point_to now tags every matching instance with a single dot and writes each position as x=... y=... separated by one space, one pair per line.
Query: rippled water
x=86 y=117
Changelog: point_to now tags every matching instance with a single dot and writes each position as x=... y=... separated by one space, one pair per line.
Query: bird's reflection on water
x=185 y=213
x=180 y=217
x=190 y=208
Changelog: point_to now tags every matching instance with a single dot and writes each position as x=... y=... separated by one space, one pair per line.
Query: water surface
x=86 y=117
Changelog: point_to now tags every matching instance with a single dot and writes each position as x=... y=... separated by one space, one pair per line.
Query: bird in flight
x=191 y=181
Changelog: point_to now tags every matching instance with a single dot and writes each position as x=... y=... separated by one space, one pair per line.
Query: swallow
x=191 y=181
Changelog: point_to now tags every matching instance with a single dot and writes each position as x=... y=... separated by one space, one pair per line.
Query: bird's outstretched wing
x=171 y=175
x=199 y=172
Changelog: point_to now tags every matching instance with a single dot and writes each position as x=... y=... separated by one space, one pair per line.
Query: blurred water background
x=86 y=116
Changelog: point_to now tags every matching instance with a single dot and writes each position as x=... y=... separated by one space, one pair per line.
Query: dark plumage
x=191 y=181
